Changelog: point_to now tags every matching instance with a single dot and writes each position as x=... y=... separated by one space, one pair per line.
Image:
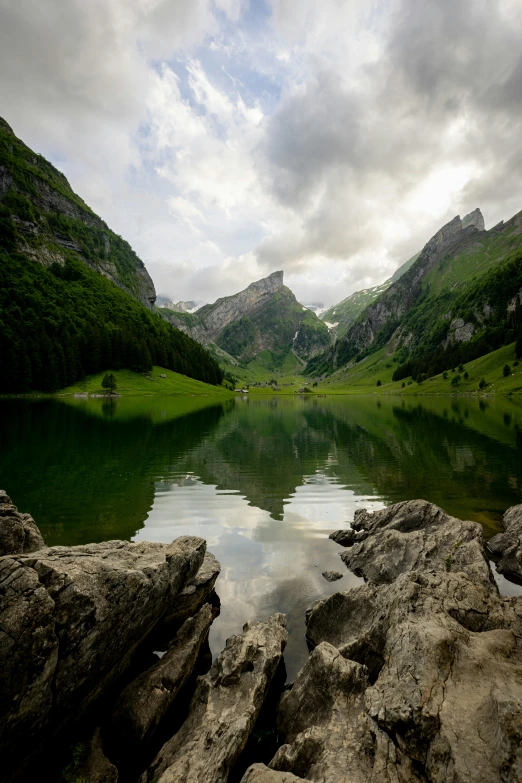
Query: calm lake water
x=264 y=481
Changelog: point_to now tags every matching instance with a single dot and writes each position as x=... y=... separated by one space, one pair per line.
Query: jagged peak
x=474 y=218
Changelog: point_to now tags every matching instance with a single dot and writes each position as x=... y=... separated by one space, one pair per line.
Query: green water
x=263 y=480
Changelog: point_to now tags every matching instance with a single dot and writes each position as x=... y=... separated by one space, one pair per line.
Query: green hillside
x=74 y=298
x=363 y=377
x=158 y=382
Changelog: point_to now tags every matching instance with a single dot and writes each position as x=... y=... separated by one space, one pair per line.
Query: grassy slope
x=130 y=383
x=473 y=262
x=363 y=377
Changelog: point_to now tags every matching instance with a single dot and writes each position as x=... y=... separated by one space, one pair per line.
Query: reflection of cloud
x=267 y=565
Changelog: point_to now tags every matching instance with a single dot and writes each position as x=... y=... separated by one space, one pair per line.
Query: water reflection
x=264 y=480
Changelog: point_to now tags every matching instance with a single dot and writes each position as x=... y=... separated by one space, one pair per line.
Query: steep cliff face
x=381 y=318
x=52 y=223
x=264 y=316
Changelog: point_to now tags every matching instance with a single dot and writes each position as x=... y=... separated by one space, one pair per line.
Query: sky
x=227 y=139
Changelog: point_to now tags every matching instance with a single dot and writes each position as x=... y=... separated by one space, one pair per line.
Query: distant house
x=244 y=391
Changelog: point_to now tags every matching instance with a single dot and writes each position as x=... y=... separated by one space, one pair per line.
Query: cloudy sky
x=225 y=139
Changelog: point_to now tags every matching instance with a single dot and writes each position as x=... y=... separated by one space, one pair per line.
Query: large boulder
x=71 y=619
x=224 y=708
x=145 y=702
x=413 y=535
x=443 y=700
x=508 y=545
x=18 y=532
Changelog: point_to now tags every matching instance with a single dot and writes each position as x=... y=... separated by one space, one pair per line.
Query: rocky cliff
x=264 y=316
x=52 y=223
x=380 y=319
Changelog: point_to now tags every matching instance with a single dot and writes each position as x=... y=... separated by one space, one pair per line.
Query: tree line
x=62 y=323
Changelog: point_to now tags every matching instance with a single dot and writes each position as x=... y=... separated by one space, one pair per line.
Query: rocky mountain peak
x=474 y=218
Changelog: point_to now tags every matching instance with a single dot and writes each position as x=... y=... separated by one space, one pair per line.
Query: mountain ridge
x=432 y=303
x=263 y=316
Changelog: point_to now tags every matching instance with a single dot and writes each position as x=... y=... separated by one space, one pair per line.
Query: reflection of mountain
x=100 y=466
x=450 y=452
x=263 y=449
x=99 y=470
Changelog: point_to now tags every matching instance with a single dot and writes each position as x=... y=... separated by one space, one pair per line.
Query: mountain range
x=75 y=299
x=460 y=299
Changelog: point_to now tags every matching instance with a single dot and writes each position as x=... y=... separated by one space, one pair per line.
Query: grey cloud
x=333 y=154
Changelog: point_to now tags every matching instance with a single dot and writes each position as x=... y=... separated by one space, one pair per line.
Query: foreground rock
x=409 y=536
x=259 y=773
x=18 y=532
x=224 y=708
x=71 y=619
x=415 y=676
x=509 y=544
x=193 y=595
x=144 y=703
x=328 y=734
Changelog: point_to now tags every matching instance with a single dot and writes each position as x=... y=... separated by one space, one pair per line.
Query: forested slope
x=74 y=297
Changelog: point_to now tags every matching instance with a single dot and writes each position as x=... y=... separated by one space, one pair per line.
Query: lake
x=264 y=480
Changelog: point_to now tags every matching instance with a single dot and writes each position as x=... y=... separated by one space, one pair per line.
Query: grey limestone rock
x=144 y=703
x=444 y=660
x=194 y=594
x=415 y=535
x=509 y=544
x=224 y=708
x=18 y=532
x=259 y=773
x=71 y=619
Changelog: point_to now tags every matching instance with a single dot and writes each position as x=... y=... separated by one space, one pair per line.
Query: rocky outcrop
x=18 y=532
x=474 y=218
x=145 y=702
x=508 y=545
x=410 y=536
x=193 y=595
x=224 y=708
x=71 y=619
x=446 y=671
x=416 y=676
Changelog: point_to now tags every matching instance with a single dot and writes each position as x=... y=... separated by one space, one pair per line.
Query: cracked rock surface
x=194 y=594
x=409 y=536
x=144 y=703
x=71 y=619
x=416 y=676
x=224 y=708
x=509 y=544
x=18 y=532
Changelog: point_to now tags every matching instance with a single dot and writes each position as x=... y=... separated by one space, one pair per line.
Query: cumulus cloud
x=226 y=139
